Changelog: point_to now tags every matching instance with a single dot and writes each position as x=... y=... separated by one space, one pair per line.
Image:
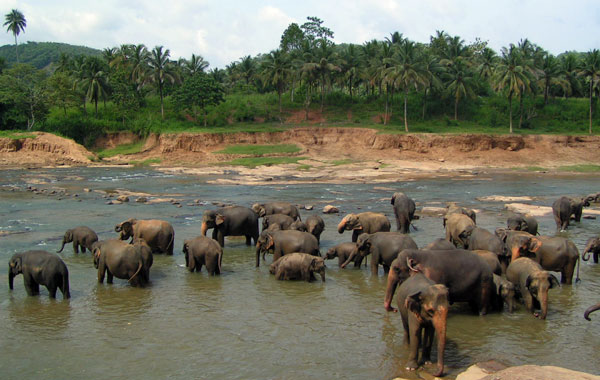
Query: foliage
x=253 y=162
x=198 y=92
x=23 y=89
x=15 y=23
x=44 y=54
x=260 y=150
x=123 y=149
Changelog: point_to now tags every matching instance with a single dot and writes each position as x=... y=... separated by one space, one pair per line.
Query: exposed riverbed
x=244 y=324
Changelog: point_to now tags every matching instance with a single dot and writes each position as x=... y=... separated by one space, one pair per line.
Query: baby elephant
x=298 y=266
x=533 y=284
x=40 y=268
x=342 y=251
x=81 y=236
x=200 y=251
x=505 y=293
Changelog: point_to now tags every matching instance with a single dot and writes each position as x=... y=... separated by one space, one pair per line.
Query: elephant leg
x=31 y=287
x=386 y=268
x=375 y=263
x=83 y=249
x=427 y=343
x=528 y=299
x=109 y=276
x=52 y=289
x=558 y=222
x=415 y=340
x=406 y=339
x=221 y=238
x=484 y=301
x=75 y=246
x=248 y=240
x=595 y=258
x=355 y=234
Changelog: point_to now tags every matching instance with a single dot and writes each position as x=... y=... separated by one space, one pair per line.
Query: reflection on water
x=244 y=324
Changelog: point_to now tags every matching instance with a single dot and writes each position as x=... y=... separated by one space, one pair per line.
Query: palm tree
x=460 y=83
x=433 y=71
x=510 y=76
x=590 y=70
x=15 y=23
x=569 y=64
x=275 y=70
x=487 y=61
x=350 y=67
x=160 y=72
x=246 y=68
x=94 y=80
x=551 y=74
x=323 y=62
x=195 y=65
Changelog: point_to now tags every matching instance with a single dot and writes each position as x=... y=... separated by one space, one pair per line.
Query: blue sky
x=223 y=31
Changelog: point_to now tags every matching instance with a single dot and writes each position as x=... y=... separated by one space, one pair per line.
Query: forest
x=394 y=84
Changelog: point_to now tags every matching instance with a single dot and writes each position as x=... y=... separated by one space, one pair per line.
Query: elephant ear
x=219 y=219
x=502 y=234
x=270 y=241
x=17 y=264
x=413 y=303
x=393 y=199
x=534 y=244
x=553 y=281
x=528 y=282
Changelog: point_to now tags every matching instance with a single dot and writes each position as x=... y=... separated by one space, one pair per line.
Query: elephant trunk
x=342 y=226
x=588 y=249
x=543 y=298
x=322 y=273
x=62 y=246
x=588 y=311
x=439 y=323
x=11 y=277
x=392 y=284
x=204 y=228
x=510 y=302
x=257 y=255
x=350 y=258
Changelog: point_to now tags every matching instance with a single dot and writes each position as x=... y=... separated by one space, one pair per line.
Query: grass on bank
x=583 y=168
x=124 y=149
x=252 y=162
x=148 y=162
x=260 y=150
x=16 y=135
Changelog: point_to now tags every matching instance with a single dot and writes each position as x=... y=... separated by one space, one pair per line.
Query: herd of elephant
x=471 y=264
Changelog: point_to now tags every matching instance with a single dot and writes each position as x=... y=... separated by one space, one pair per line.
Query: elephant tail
x=219 y=261
x=577 y=279
x=65 y=285
x=170 y=245
x=137 y=271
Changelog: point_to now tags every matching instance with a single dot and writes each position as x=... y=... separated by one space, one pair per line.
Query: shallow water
x=244 y=324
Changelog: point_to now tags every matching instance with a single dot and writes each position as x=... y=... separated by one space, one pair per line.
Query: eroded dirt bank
x=367 y=153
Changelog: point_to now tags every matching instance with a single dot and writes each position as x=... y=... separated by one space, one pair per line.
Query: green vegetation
x=121 y=149
x=146 y=162
x=342 y=162
x=253 y=162
x=394 y=85
x=581 y=168
x=16 y=135
x=260 y=150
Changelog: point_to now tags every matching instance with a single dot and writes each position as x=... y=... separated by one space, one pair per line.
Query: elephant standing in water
x=285 y=242
x=456 y=225
x=81 y=236
x=383 y=248
x=520 y=222
x=404 y=210
x=231 y=221
x=365 y=222
x=564 y=207
x=205 y=251
x=158 y=234
x=115 y=258
x=315 y=225
x=40 y=268
x=593 y=246
x=423 y=305
x=343 y=251
x=298 y=266
x=285 y=208
x=558 y=254
x=533 y=283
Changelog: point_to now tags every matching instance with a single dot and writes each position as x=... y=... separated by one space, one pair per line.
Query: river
x=244 y=324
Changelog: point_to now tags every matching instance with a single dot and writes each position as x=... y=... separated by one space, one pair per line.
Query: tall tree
x=24 y=88
x=275 y=70
x=569 y=64
x=15 y=23
x=94 y=80
x=550 y=74
x=160 y=72
x=195 y=65
x=590 y=70
x=198 y=91
x=460 y=83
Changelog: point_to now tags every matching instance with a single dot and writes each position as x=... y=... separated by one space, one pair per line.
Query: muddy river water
x=244 y=324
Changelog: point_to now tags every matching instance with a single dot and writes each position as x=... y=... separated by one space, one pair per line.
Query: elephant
x=533 y=283
x=504 y=294
x=383 y=247
x=593 y=246
x=365 y=222
x=231 y=221
x=423 y=306
x=298 y=266
x=519 y=222
x=277 y=222
x=518 y=243
x=595 y=197
x=158 y=234
x=558 y=254
x=40 y=268
x=456 y=224
x=203 y=250
x=285 y=208
x=439 y=244
x=404 y=210
x=81 y=236
x=479 y=238
x=491 y=259
x=590 y=310
x=115 y=258
x=286 y=241
x=467 y=276
x=564 y=207
x=454 y=209
x=315 y=225
x=343 y=251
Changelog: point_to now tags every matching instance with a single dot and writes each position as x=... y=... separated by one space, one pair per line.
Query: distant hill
x=42 y=54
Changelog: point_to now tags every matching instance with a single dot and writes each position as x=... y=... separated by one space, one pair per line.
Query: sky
x=224 y=31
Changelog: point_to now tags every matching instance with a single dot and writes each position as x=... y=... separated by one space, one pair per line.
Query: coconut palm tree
x=460 y=83
x=275 y=70
x=15 y=23
x=511 y=76
x=486 y=63
x=433 y=71
x=160 y=72
x=195 y=65
x=550 y=74
x=93 y=80
x=323 y=62
x=590 y=70
x=569 y=64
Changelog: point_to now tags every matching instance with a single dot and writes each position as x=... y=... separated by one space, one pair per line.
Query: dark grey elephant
x=81 y=236
x=115 y=258
x=40 y=268
x=519 y=222
x=285 y=242
x=590 y=310
x=383 y=248
x=201 y=251
x=365 y=222
x=343 y=251
x=158 y=234
x=315 y=225
x=423 y=306
x=298 y=266
x=456 y=224
x=558 y=254
x=231 y=221
x=592 y=246
x=454 y=209
x=277 y=222
x=439 y=244
x=285 y=208
x=479 y=238
x=491 y=259
x=532 y=283
x=505 y=294
x=565 y=207
x=404 y=210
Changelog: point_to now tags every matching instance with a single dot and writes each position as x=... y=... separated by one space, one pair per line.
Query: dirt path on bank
x=365 y=154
